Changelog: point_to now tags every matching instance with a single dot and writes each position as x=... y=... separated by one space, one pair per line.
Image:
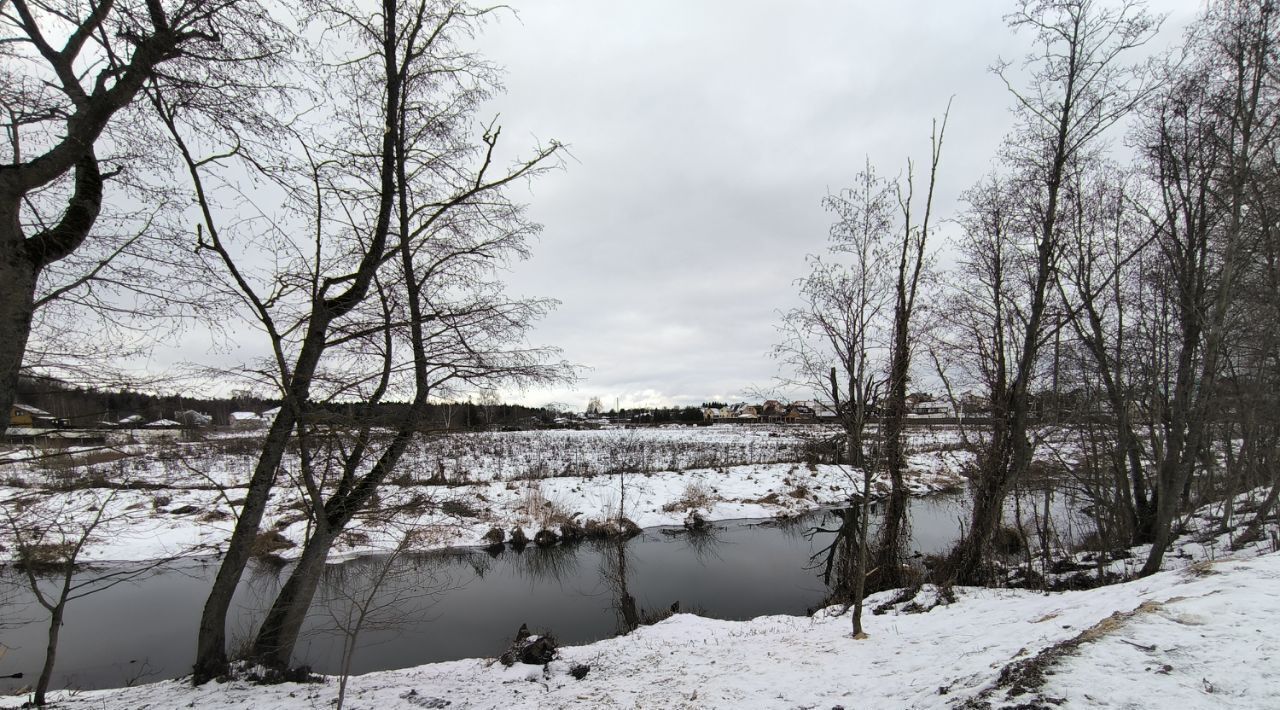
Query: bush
x=459 y=509
x=268 y=543
x=695 y=496
x=43 y=558
x=542 y=510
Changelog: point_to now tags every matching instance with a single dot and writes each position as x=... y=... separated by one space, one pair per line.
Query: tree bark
x=279 y=632
x=51 y=652
x=211 y=640
x=889 y=551
x=17 y=294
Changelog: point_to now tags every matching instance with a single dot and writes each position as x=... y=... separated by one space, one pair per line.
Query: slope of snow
x=1201 y=637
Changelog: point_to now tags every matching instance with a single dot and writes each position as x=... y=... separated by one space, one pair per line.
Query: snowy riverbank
x=183 y=500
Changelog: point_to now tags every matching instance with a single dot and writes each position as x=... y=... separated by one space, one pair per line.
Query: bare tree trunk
x=51 y=651
x=893 y=423
x=864 y=556
x=890 y=548
x=1253 y=532
x=348 y=655
x=22 y=258
x=989 y=491
x=279 y=631
x=211 y=651
x=17 y=289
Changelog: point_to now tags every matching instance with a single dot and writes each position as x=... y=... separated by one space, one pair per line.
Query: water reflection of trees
x=388 y=593
x=836 y=562
x=545 y=564
x=704 y=542
x=255 y=592
x=614 y=571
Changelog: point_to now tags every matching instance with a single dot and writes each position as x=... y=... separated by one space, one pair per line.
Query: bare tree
x=384 y=287
x=1102 y=260
x=49 y=535
x=71 y=72
x=910 y=264
x=830 y=343
x=380 y=593
x=1209 y=137
x=1079 y=87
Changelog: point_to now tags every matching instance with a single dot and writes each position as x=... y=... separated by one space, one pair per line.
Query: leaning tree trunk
x=211 y=642
x=279 y=632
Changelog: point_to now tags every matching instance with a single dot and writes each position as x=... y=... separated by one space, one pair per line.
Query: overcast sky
x=704 y=137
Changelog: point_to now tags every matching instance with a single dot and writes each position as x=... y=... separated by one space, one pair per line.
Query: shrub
x=268 y=543
x=542 y=510
x=459 y=509
x=695 y=496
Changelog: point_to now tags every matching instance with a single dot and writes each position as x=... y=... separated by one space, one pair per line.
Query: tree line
x=1120 y=252
x=92 y=407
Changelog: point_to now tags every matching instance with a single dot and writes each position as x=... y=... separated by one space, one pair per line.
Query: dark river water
x=453 y=604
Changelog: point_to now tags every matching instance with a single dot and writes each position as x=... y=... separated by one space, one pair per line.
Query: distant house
x=772 y=411
x=163 y=424
x=933 y=410
x=192 y=418
x=717 y=414
x=245 y=420
x=131 y=420
x=269 y=416
x=24 y=415
x=746 y=412
x=971 y=405
x=821 y=410
x=800 y=412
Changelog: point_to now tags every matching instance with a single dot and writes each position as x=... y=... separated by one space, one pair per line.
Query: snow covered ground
x=181 y=499
x=1199 y=637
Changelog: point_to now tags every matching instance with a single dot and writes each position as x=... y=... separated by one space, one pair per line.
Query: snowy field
x=1199 y=637
x=180 y=498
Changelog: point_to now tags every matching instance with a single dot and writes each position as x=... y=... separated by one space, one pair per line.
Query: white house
x=245 y=420
x=935 y=410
